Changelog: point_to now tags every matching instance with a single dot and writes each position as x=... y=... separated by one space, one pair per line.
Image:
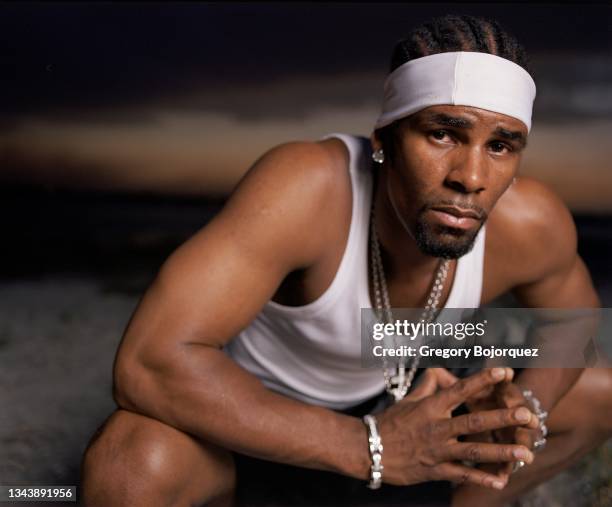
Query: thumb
x=433 y=380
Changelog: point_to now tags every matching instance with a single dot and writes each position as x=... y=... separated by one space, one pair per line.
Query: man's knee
x=124 y=455
x=135 y=459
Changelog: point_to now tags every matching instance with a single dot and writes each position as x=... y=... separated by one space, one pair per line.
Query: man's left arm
x=559 y=279
x=568 y=288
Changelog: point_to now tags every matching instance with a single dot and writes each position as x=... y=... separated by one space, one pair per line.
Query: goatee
x=442 y=241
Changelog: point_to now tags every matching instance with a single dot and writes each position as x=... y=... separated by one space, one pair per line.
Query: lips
x=457 y=212
x=452 y=216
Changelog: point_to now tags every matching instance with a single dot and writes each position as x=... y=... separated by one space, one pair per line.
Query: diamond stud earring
x=378 y=156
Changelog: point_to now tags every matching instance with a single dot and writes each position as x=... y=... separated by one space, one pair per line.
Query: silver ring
x=517 y=466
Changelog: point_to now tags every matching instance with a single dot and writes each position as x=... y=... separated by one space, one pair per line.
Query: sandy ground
x=58 y=337
x=57 y=343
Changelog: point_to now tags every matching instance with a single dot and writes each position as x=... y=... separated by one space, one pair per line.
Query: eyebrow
x=511 y=135
x=449 y=121
x=464 y=123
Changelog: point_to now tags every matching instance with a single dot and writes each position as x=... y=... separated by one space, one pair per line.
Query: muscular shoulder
x=530 y=234
x=308 y=167
x=296 y=192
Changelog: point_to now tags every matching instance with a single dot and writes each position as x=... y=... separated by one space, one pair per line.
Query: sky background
x=182 y=98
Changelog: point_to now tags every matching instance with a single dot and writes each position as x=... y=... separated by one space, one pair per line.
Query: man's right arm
x=170 y=365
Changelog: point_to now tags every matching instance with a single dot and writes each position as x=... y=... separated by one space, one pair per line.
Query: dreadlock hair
x=447 y=34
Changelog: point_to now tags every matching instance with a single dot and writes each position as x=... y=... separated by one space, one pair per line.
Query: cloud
x=196 y=151
x=574 y=159
x=573 y=86
x=203 y=139
x=570 y=87
x=184 y=152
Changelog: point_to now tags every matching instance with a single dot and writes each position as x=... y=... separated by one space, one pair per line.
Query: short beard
x=445 y=242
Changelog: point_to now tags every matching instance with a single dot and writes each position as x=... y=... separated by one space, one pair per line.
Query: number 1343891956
x=40 y=493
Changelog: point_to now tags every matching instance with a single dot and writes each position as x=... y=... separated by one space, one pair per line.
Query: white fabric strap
x=459 y=78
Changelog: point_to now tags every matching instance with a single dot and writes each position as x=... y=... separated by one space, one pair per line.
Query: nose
x=467 y=172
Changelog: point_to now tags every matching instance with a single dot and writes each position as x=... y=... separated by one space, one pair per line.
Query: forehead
x=472 y=116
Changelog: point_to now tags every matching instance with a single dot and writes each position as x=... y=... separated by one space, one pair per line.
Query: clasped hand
x=421 y=437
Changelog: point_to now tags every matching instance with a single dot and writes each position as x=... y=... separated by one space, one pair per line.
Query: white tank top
x=313 y=352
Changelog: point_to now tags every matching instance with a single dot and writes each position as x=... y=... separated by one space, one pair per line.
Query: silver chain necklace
x=397 y=382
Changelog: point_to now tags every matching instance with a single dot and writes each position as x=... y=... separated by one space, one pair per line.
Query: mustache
x=464 y=205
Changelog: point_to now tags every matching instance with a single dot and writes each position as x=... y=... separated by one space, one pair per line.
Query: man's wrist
x=376 y=452
x=352 y=459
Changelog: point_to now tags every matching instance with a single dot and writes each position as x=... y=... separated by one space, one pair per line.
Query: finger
x=433 y=380
x=445 y=378
x=534 y=423
x=501 y=470
x=477 y=422
x=505 y=471
x=510 y=395
x=485 y=453
x=506 y=435
x=426 y=387
x=484 y=437
x=482 y=395
x=526 y=437
x=454 y=396
x=461 y=474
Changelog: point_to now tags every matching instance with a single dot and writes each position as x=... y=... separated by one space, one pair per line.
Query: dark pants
x=263 y=483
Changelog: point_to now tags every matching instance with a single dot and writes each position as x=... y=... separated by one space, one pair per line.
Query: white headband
x=460 y=78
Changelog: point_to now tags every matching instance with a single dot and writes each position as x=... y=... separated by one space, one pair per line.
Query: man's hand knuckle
x=436 y=474
x=507 y=417
x=433 y=430
x=428 y=459
x=473 y=453
x=427 y=431
x=427 y=405
x=461 y=388
x=475 y=422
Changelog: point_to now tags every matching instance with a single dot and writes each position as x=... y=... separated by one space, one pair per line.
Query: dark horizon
x=122 y=238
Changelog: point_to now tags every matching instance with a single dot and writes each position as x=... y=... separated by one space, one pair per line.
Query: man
x=245 y=343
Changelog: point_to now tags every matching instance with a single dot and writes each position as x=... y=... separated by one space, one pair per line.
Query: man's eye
x=439 y=134
x=498 y=147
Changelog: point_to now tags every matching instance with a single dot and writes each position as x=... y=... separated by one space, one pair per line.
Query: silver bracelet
x=376 y=450
x=536 y=408
x=542 y=415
